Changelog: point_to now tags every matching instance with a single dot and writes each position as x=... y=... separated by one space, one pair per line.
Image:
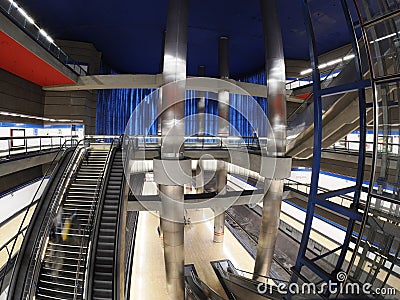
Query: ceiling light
x=348 y=57
x=13 y=3
x=306 y=72
x=334 y=62
x=383 y=38
x=44 y=33
x=25 y=15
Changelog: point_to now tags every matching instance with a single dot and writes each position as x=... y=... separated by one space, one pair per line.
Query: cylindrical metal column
x=269 y=228
x=172 y=224
x=172 y=131
x=276 y=95
x=223 y=131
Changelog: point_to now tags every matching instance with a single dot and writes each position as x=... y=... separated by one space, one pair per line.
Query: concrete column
x=172 y=131
x=223 y=131
x=276 y=95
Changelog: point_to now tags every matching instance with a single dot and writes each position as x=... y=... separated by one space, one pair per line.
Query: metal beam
x=153 y=202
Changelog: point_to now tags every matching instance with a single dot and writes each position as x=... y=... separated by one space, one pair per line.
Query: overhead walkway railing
x=20 y=17
x=24 y=145
x=200 y=142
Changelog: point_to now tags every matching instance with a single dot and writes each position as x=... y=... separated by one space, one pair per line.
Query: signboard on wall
x=15 y=143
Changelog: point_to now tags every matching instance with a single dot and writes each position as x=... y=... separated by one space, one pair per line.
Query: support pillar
x=223 y=131
x=276 y=95
x=172 y=152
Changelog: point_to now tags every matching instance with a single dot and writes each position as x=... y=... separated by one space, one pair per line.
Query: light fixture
x=384 y=37
x=25 y=15
x=5 y=113
x=329 y=63
x=13 y=3
x=348 y=57
x=306 y=72
x=44 y=33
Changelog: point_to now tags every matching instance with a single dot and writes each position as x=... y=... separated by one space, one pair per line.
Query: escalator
x=21 y=260
x=195 y=289
x=104 y=273
x=340 y=116
x=240 y=287
x=63 y=267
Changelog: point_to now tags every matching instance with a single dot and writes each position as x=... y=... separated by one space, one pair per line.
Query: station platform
x=148 y=273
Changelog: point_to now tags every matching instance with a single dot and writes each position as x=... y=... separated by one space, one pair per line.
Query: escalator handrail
x=49 y=171
x=210 y=293
x=90 y=263
x=120 y=227
x=128 y=263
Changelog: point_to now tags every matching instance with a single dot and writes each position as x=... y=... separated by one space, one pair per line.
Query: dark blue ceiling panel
x=129 y=33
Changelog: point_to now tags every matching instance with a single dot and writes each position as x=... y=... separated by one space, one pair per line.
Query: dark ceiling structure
x=129 y=33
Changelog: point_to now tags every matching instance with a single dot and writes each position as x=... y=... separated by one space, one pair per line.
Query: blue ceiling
x=129 y=32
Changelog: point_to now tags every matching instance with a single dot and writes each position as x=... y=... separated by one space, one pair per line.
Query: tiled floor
x=148 y=275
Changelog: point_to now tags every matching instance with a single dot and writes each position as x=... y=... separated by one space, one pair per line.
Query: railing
x=354 y=146
x=201 y=142
x=41 y=185
x=10 y=146
x=14 y=12
x=343 y=200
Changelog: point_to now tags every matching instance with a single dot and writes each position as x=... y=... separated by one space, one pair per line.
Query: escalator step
x=104 y=283
x=110 y=207
x=106 y=245
x=105 y=252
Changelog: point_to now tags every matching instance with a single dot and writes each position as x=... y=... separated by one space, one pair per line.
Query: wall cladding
x=12 y=180
x=20 y=96
x=76 y=105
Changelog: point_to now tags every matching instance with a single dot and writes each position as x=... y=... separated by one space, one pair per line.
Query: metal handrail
x=149 y=141
x=47 y=173
x=210 y=293
x=41 y=146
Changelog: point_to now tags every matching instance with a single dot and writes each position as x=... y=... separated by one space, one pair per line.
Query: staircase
x=63 y=268
x=105 y=276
